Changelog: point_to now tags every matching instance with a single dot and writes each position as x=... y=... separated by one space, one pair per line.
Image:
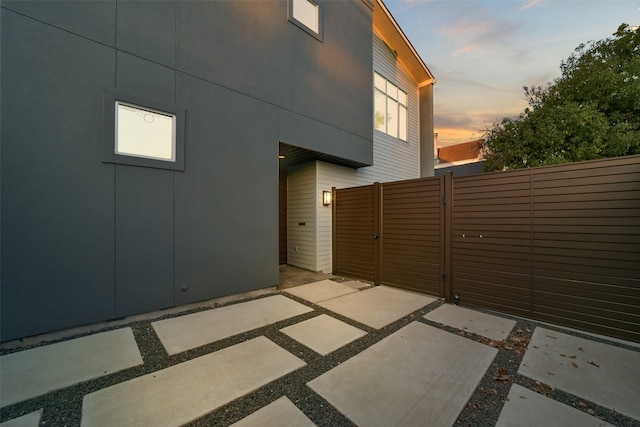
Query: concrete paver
x=186 y=391
x=378 y=306
x=281 y=413
x=528 y=408
x=323 y=334
x=186 y=332
x=320 y=291
x=29 y=420
x=30 y=373
x=489 y=326
x=601 y=373
x=418 y=375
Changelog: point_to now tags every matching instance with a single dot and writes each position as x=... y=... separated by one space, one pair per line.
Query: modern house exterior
x=141 y=145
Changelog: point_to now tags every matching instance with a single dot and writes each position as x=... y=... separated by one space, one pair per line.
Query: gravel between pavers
x=64 y=407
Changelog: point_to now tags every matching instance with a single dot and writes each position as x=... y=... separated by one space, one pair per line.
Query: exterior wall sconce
x=326 y=198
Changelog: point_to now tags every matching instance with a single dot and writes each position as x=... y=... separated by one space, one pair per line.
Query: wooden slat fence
x=558 y=244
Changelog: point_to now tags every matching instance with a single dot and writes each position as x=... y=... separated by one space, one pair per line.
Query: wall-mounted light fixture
x=326 y=198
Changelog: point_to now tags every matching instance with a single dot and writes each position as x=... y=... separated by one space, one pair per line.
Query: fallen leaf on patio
x=580 y=348
x=572 y=357
x=591 y=411
x=574 y=364
x=581 y=403
x=552 y=337
x=591 y=362
x=535 y=346
x=563 y=355
x=550 y=373
x=501 y=378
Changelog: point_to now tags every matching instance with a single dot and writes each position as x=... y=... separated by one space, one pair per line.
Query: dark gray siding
x=84 y=241
x=57 y=197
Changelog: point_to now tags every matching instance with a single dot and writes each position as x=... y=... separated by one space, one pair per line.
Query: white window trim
x=110 y=151
x=315 y=32
x=402 y=130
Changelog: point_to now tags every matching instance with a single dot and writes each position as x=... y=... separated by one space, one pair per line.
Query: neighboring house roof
x=390 y=32
x=465 y=152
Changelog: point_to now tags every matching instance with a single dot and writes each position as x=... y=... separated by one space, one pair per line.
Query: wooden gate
x=390 y=234
x=557 y=243
x=491 y=241
x=355 y=226
x=411 y=238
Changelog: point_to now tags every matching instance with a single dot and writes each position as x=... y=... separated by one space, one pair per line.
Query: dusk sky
x=483 y=51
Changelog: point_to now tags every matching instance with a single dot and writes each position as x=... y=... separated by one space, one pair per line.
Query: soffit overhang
x=386 y=27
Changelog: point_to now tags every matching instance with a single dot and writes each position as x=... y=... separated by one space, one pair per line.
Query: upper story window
x=390 y=108
x=307 y=15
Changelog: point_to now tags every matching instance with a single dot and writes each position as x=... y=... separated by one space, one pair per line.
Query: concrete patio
x=324 y=353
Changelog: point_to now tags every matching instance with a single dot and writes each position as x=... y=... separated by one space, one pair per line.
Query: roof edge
x=391 y=20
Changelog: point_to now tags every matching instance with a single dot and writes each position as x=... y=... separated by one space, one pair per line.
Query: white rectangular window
x=144 y=133
x=307 y=13
x=390 y=106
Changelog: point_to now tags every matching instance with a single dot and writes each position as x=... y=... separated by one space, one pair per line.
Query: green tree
x=592 y=111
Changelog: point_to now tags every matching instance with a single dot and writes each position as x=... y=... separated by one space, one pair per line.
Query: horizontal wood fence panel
x=485 y=271
x=587 y=277
x=411 y=220
x=586 y=181
x=586 y=246
x=353 y=242
x=618 y=294
x=627 y=248
x=596 y=191
x=560 y=173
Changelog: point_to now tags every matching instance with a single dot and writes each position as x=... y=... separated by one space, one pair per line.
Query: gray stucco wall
x=83 y=240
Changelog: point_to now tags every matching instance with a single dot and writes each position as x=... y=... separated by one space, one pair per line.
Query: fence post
x=447 y=275
x=377 y=232
x=333 y=229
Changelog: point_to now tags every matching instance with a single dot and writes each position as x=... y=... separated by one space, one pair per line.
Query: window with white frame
x=142 y=132
x=307 y=15
x=390 y=108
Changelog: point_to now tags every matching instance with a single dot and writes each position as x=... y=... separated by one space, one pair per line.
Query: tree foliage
x=592 y=111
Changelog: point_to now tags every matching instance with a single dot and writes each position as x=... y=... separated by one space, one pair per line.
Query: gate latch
x=375 y=236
